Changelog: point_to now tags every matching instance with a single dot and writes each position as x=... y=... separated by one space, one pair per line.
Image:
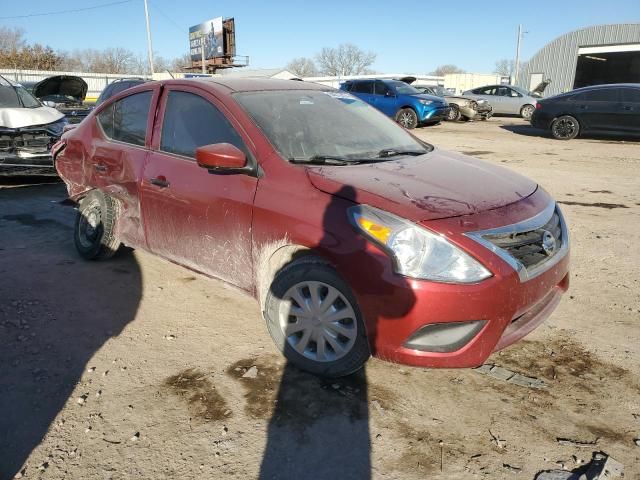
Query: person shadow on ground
x=56 y=312
x=319 y=428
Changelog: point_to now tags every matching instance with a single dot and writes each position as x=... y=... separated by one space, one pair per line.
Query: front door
x=600 y=109
x=384 y=99
x=192 y=217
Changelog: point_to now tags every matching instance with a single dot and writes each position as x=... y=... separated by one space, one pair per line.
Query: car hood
x=28 y=117
x=425 y=96
x=436 y=185
x=64 y=85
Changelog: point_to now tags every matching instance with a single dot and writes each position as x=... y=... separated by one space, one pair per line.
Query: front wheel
x=454 y=113
x=95 y=235
x=314 y=320
x=407 y=118
x=527 y=111
x=565 y=127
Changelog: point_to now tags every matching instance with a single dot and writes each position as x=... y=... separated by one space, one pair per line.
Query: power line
x=62 y=12
x=167 y=17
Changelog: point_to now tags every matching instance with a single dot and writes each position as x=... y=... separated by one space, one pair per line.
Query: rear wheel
x=407 y=118
x=527 y=111
x=565 y=127
x=454 y=113
x=95 y=228
x=314 y=320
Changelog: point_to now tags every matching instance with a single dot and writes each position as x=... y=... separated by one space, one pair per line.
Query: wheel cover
x=564 y=127
x=453 y=113
x=527 y=111
x=406 y=119
x=89 y=230
x=318 y=321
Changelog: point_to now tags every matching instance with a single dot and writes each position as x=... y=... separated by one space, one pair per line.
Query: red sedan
x=355 y=237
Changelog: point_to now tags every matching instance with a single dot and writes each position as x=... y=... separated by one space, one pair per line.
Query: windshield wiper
x=392 y=152
x=333 y=160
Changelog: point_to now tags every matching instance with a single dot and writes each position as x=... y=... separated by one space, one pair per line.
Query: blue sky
x=407 y=36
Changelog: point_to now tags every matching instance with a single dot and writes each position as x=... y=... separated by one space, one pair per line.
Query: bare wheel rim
x=564 y=127
x=452 y=113
x=527 y=112
x=89 y=224
x=318 y=321
x=406 y=119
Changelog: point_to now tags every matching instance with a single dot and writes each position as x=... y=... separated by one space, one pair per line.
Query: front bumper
x=509 y=307
x=36 y=165
x=26 y=151
x=430 y=113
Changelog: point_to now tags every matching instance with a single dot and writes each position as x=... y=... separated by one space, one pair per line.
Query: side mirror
x=49 y=103
x=222 y=158
x=389 y=94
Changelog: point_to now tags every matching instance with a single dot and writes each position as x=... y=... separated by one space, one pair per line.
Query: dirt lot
x=133 y=368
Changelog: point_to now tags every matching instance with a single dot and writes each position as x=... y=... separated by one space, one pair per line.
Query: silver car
x=506 y=99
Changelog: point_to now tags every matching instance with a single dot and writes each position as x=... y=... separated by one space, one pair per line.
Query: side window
x=362 y=87
x=503 y=92
x=631 y=95
x=347 y=86
x=105 y=119
x=381 y=88
x=602 y=95
x=130 y=117
x=485 y=91
x=190 y=122
x=513 y=93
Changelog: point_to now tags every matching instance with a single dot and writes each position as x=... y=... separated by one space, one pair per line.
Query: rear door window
x=602 y=95
x=630 y=95
x=191 y=121
x=381 y=88
x=362 y=87
x=130 y=117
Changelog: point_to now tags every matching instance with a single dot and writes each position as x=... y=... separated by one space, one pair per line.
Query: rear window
x=126 y=119
x=362 y=87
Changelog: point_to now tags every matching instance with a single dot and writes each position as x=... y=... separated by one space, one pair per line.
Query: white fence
x=95 y=81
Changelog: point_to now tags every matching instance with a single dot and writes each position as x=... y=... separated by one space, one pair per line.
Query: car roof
x=250 y=84
x=606 y=85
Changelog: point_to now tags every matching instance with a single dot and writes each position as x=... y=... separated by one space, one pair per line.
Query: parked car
x=65 y=93
x=356 y=237
x=400 y=101
x=603 y=109
x=506 y=99
x=28 y=129
x=118 y=86
x=460 y=107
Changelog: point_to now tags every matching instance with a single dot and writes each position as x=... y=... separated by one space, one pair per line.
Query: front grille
x=530 y=247
x=533 y=247
x=25 y=144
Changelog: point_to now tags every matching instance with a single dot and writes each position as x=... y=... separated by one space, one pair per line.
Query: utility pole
x=149 y=46
x=516 y=67
x=204 y=68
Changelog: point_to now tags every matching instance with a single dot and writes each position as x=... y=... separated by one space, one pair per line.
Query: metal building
x=590 y=56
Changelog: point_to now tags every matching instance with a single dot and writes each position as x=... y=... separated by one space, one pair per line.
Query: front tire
x=314 y=319
x=95 y=235
x=408 y=118
x=527 y=111
x=565 y=127
x=454 y=113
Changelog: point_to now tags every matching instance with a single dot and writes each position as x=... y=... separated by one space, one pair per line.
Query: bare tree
x=302 y=67
x=181 y=64
x=443 y=70
x=347 y=59
x=11 y=39
x=505 y=67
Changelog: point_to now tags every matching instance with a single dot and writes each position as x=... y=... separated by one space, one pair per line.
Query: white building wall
x=466 y=81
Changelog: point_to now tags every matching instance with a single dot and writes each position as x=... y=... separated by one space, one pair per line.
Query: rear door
x=600 y=109
x=363 y=90
x=118 y=155
x=490 y=95
x=192 y=217
x=630 y=109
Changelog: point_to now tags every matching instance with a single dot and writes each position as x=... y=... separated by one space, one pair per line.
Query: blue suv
x=399 y=100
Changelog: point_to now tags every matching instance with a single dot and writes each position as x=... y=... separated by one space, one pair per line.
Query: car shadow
x=531 y=131
x=526 y=130
x=320 y=426
x=56 y=312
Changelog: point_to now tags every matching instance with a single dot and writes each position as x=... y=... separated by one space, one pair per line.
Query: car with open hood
x=355 y=237
x=66 y=93
x=509 y=99
x=28 y=129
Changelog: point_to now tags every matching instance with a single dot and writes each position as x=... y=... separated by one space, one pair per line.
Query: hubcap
x=318 y=321
x=564 y=127
x=405 y=119
x=527 y=112
x=452 y=114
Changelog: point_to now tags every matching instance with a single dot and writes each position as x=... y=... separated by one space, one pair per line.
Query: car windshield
x=403 y=88
x=310 y=124
x=14 y=96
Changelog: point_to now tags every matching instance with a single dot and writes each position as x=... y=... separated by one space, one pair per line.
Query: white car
x=28 y=129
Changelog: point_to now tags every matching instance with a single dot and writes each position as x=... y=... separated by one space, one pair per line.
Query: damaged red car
x=356 y=237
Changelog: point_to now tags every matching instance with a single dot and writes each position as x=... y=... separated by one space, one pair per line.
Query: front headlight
x=57 y=128
x=426 y=102
x=416 y=251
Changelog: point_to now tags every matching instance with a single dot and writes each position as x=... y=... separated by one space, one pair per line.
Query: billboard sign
x=207 y=35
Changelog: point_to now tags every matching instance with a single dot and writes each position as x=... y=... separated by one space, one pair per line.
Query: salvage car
x=28 y=129
x=66 y=93
x=506 y=99
x=600 y=109
x=355 y=237
x=400 y=101
x=460 y=107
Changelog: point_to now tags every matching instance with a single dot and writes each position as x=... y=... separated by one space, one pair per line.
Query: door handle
x=100 y=167
x=628 y=108
x=159 y=181
x=583 y=107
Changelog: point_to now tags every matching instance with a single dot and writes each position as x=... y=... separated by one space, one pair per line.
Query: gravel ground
x=137 y=368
